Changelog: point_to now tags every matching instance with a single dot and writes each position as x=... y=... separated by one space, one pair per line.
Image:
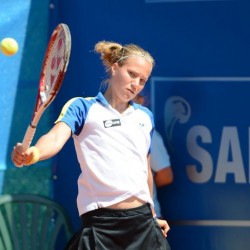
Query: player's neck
x=115 y=103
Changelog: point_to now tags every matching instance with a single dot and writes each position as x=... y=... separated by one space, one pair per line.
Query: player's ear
x=114 y=67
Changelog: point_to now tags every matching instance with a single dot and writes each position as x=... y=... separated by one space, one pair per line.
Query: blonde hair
x=112 y=52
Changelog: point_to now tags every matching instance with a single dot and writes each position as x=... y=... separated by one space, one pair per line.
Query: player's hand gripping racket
x=53 y=70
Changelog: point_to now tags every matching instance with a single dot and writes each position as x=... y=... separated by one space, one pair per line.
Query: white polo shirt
x=111 y=149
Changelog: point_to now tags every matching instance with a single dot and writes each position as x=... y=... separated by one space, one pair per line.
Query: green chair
x=32 y=222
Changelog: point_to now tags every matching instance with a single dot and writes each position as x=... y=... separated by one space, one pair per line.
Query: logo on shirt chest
x=112 y=123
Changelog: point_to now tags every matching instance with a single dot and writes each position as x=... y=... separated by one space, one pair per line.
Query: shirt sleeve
x=159 y=158
x=74 y=114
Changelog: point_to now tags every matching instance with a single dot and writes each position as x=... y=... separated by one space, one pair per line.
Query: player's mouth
x=131 y=91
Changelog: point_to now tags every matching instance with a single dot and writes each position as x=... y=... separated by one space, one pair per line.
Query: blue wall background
x=28 y=22
x=199 y=94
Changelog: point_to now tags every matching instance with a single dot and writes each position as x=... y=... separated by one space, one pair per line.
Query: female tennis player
x=112 y=137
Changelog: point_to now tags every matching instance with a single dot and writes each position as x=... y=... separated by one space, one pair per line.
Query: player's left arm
x=162 y=223
x=164 y=177
x=150 y=177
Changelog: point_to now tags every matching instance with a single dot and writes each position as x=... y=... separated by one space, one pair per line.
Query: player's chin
x=127 y=98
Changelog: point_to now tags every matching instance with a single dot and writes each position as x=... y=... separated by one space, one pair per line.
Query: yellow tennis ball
x=9 y=46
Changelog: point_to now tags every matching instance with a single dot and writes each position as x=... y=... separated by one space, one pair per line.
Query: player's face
x=128 y=80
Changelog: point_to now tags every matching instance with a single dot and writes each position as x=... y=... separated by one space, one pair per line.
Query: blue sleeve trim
x=74 y=113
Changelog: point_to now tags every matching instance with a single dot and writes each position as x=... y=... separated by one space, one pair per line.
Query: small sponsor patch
x=112 y=123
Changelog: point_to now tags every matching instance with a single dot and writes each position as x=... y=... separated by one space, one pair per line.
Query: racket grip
x=28 y=137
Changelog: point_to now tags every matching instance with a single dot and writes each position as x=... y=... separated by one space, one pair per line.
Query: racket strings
x=54 y=65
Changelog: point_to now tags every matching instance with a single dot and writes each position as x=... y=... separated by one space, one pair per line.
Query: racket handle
x=28 y=137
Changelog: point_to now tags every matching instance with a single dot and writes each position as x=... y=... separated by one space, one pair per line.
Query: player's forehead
x=139 y=65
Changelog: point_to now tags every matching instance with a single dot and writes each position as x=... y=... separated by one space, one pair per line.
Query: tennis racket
x=53 y=70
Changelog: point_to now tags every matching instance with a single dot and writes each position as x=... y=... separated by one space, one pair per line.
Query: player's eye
x=143 y=82
x=132 y=74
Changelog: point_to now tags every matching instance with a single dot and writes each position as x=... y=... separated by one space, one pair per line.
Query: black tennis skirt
x=119 y=229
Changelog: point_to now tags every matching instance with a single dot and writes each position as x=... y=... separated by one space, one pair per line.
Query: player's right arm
x=47 y=146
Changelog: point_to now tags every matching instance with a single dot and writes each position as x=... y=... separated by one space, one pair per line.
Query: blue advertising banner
x=205 y=124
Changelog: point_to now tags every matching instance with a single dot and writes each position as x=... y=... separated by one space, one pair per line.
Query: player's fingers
x=31 y=156
x=164 y=226
x=165 y=231
x=167 y=227
x=17 y=158
x=18 y=164
x=17 y=155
